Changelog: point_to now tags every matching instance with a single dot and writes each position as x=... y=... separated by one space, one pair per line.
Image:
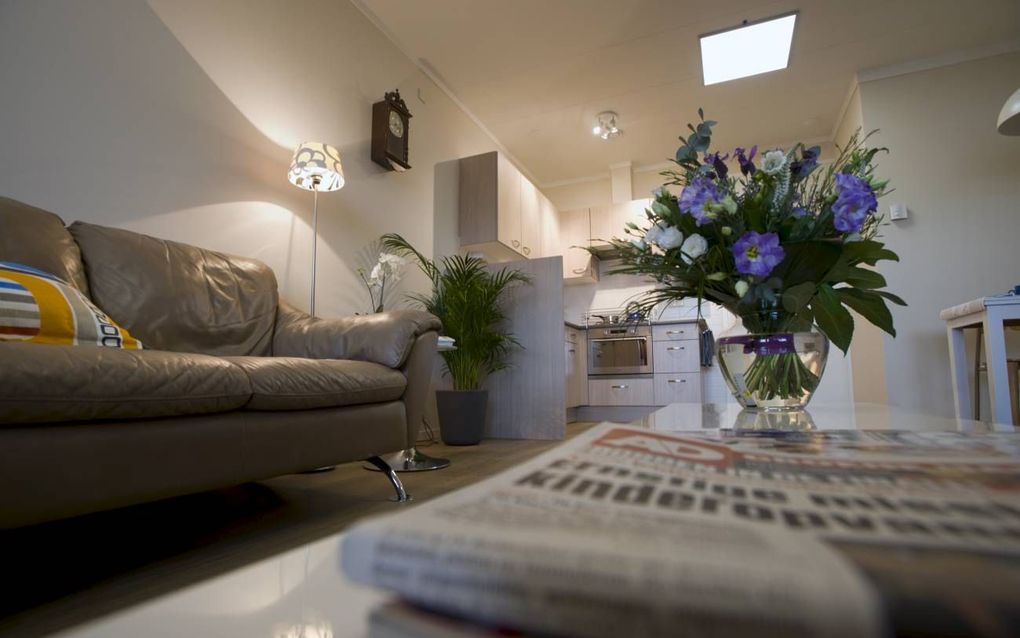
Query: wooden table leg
x=958 y=365
x=998 y=377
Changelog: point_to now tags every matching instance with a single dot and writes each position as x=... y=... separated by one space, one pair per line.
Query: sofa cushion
x=178 y=297
x=40 y=384
x=37 y=238
x=291 y=383
x=37 y=307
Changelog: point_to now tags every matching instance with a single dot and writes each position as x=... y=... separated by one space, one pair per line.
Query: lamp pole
x=315 y=238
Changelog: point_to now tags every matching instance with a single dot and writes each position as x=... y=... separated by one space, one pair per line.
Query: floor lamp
x=316 y=167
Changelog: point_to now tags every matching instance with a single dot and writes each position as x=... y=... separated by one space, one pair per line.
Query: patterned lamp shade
x=316 y=167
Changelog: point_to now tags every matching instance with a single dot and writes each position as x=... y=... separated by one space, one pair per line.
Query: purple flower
x=853 y=204
x=799 y=211
x=801 y=168
x=757 y=254
x=696 y=196
x=745 y=161
x=718 y=164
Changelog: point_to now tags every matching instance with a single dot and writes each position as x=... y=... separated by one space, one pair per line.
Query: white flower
x=376 y=276
x=741 y=288
x=652 y=234
x=692 y=248
x=389 y=266
x=670 y=237
x=774 y=162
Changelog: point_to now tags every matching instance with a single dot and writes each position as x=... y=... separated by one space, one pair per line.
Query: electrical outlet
x=898 y=211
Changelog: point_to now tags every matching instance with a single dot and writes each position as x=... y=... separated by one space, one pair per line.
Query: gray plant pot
x=462 y=415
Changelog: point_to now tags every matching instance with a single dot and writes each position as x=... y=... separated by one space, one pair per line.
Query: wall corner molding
x=938 y=61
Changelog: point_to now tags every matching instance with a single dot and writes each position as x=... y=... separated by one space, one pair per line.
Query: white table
x=991 y=314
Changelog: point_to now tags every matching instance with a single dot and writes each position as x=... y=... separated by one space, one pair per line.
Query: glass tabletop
x=707 y=418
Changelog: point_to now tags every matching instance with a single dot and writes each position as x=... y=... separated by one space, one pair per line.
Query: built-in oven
x=620 y=349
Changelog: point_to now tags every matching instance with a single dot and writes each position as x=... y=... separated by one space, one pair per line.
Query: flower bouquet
x=782 y=243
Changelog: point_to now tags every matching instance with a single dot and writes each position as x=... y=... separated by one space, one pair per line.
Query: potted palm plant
x=468 y=299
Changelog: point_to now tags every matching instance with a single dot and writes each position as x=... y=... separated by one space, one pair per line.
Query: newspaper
x=624 y=531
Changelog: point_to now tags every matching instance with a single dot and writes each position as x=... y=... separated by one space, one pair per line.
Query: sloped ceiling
x=535 y=72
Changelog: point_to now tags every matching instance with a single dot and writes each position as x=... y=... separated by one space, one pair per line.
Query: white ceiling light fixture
x=749 y=49
x=606 y=126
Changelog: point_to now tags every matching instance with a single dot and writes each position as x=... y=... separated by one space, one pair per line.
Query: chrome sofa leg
x=384 y=467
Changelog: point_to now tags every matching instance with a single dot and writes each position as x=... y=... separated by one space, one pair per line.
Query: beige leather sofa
x=233 y=386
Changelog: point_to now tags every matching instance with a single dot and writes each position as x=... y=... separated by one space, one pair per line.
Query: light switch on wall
x=898 y=211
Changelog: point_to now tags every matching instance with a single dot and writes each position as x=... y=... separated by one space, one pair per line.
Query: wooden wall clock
x=390 y=130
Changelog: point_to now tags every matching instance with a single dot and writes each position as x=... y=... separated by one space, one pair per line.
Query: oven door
x=620 y=355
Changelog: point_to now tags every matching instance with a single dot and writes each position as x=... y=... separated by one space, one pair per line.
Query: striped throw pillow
x=37 y=307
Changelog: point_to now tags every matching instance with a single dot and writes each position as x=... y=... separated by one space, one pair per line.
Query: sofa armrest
x=385 y=337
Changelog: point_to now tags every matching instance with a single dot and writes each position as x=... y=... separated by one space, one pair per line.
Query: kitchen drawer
x=621 y=391
x=683 y=387
x=675 y=332
x=676 y=356
x=573 y=335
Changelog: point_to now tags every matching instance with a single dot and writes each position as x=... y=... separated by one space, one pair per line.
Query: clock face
x=396 y=124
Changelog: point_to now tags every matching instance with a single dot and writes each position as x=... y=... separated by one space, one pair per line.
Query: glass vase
x=775 y=367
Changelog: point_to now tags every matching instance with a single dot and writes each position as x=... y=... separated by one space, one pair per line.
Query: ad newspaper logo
x=687 y=450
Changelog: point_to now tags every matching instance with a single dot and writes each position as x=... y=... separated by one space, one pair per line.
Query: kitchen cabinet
x=579 y=266
x=676 y=356
x=575 y=344
x=621 y=391
x=530 y=220
x=551 y=231
x=676 y=361
x=677 y=388
x=608 y=222
x=502 y=215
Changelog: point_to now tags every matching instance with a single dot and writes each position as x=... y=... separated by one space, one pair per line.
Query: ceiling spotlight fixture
x=606 y=127
x=748 y=49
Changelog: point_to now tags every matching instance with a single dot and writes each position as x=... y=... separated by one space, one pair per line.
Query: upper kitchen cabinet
x=579 y=266
x=490 y=207
x=552 y=233
x=531 y=219
x=502 y=214
x=610 y=221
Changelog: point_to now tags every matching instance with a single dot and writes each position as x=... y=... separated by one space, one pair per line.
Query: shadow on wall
x=132 y=133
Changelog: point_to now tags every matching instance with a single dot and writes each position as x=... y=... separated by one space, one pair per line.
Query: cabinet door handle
x=571 y=350
x=579 y=271
x=619 y=387
x=516 y=244
x=674 y=332
x=676 y=380
x=527 y=251
x=675 y=348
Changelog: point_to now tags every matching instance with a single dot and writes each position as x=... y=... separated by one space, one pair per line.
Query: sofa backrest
x=37 y=238
x=177 y=297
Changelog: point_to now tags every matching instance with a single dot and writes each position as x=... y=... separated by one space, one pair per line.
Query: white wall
x=178 y=118
x=961 y=182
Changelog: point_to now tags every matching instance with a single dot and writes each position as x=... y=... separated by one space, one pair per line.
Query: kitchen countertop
x=661 y=322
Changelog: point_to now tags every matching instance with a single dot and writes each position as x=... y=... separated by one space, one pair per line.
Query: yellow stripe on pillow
x=37 y=307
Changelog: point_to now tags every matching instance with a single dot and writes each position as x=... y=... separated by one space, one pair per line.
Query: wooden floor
x=61 y=574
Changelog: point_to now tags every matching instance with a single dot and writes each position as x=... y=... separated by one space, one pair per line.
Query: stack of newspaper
x=625 y=531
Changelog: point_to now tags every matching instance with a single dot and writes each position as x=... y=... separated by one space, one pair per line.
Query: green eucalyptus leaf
x=832 y=318
x=863 y=278
x=891 y=297
x=797 y=298
x=807 y=262
x=868 y=305
x=868 y=251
